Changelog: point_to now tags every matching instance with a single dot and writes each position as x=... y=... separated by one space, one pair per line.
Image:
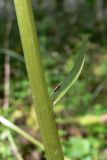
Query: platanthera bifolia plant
x=42 y=101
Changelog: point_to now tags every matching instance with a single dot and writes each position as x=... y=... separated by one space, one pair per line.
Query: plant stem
x=10 y=125
x=13 y=146
x=37 y=79
x=21 y=132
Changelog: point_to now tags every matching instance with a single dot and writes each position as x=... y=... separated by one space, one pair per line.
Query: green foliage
x=81 y=148
x=5 y=150
x=59 y=32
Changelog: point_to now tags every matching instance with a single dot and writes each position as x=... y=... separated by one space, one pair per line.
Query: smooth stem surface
x=37 y=79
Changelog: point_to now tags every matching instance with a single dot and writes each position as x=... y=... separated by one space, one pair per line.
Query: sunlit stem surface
x=37 y=80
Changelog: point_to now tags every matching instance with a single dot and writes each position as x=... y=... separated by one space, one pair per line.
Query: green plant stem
x=84 y=120
x=8 y=124
x=37 y=79
x=13 y=146
x=12 y=54
x=21 y=132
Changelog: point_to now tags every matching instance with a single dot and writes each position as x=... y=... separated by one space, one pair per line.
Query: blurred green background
x=82 y=114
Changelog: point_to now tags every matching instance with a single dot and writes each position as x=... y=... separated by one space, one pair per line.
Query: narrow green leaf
x=65 y=85
x=12 y=54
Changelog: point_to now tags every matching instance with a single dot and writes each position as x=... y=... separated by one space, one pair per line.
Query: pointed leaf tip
x=73 y=75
